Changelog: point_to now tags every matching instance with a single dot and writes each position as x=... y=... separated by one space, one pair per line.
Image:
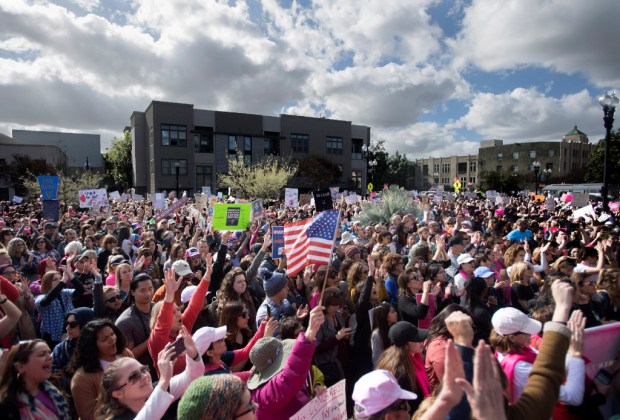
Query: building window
x=203 y=143
x=472 y=179
x=515 y=155
x=445 y=167
x=232 y=145
x=462 y=167
x=271 y=143
x=356 y=179
x=514 y=168
x=435 y=168
x=204 y=176
x=173 y=135
x=356 y=149
x=499 y=168
x=425 y=170
x=500 y=156
x=463 y=179
x=247 y=150
x=533 y=154
x=549 y=165
x=445 y=180
x=334 y=145
x=300 y=143
x=472 y=166
x=168 y=166
x=550 y=153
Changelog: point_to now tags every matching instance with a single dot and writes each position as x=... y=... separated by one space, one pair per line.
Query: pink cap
x=376 y=391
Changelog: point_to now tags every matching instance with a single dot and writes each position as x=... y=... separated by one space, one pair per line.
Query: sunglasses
x=114 y=299
x=72 y=324
x=400 y=405
x=244 y=314
x=135 y=376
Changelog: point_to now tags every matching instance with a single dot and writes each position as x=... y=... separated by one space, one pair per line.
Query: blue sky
x=430 y=77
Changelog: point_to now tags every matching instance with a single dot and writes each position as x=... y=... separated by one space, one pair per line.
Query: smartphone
x=269 y=311
x=179 y=346
x=603 y=377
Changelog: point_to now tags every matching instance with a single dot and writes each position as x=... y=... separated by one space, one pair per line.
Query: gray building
x=77 y=147
x=443 y=171
x=566 y=158
x=200 y=142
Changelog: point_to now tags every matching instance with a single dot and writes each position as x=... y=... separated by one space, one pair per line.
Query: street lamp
x=547 y=173
x=536 y=166
x=87 y=165
x=609 y=102
x=368 y=151
x=177 y=165
x=436 y=179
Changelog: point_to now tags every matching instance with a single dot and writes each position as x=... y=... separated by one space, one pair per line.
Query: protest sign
x=17 y=199
x=290 y=197
x=491 y=194
x=124 y=198
x=567 y=198
x=171 y=210
x=331 y=405
x=304 y=199
x=615 y=206
x=202 y=201
x=587 y=212
x=93 y=198
x=49 y=186
x=600 y=348
x=137 y=197
x=277 y=241
x=159 y=201
x=334 y=192
x=351 y=199
x=206 y=190
x=550 y=204
x=539 y=198
x=257 y=209
x=114 y=195
x=323 y=200
x=50 y=210
x=438 y=198
x=580 y=200
x=231 y=216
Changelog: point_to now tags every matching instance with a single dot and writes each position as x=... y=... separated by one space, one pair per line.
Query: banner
x=491 y=194
x=290 y=197
x=323 y=200
x=231 y=216
x=331 y=405
x=257 y=209
x=277 y=241
x=50 y=210
x=159 y=201
x=49 y=186
x=93 y=198
x=172 y=209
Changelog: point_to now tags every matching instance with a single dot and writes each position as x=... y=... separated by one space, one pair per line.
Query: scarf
x=509 y=362
x=31 y=408
x=421 y=378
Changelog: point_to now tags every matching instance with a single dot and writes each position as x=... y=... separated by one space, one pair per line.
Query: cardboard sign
x=257 y=209
x=202 y=201
x=49 y=187
x=172 y=209
x=93 y=198
x=291 y=197
x=580 y=200
x=277 y=241
x=231 y=216
x=351 y=199
x=323 y=200
x=331 y=405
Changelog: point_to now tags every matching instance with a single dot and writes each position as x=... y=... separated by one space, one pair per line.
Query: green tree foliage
x=263 y=179
x=500 y=181
x=398 y=166
x=118 y=163
x=69 y=185
x=394 y=199
x=594 y=169
x=390 y=168
x=319 y=171
x=23 y=165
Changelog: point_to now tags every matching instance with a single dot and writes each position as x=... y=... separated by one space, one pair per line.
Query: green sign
x=231 y=216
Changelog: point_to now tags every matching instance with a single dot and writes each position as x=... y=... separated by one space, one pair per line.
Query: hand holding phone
x=179 y=346
x=269 y=311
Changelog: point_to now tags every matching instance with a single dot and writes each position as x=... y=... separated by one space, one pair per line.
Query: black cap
x=404 y=332
x=50 y=225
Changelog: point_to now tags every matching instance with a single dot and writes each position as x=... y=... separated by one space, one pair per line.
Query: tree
x=500 y=181
x=118 y=163
x=263 y=179
x=23 y=164
x=390 y=168
x=398 y=166
x=69 y=185
x=321 y=172
x=594 y=169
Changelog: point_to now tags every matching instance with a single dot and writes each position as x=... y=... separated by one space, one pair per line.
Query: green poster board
x=231 y=216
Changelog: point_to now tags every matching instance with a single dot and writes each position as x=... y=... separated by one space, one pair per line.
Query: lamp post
x=87 y=165
x=176 y=166
x=609 y=102
x=547 y=173
x=536 y=166
x=436 y=179
x=368 y=151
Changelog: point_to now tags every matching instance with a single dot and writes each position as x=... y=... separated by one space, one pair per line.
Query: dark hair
x=123 y=233
x=433 y=270
x=332 y=297
x=48 y=244
x=288 y=326
x=380 y=322
x=475 y=292
x=438 y=328
x=422 y=251
x=403 y=281
x=86 y=355
x=228 y=317
x=586 y=252
x=10 y=384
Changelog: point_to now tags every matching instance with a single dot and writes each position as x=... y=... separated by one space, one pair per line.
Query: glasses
x=244 y=314
x=72 y=324
x=400 y=405
x=135 y=376
x=114 y=299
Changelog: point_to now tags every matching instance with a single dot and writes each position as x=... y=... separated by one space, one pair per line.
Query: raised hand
x=171 y=284
x=302 y=312
x=576 y=324
x=317 y=318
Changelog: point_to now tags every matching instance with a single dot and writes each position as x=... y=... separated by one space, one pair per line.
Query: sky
x=431 y=78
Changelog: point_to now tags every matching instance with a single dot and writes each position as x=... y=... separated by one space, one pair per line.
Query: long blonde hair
x=396 y=360
x=516 y=272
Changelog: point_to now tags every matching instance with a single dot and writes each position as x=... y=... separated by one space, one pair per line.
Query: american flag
x=310 y=241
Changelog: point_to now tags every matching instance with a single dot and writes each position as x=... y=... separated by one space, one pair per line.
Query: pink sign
x=499 y=212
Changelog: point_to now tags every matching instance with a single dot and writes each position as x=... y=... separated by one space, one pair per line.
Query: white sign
x=550 y=204
x=491 y=194
x=115 y=195
x=17 y=199
x=202 y=201
x=351 y=199
x=587 y=212
x=331 y=405
x=206 y=190
x=93 y=198
x=291 y=198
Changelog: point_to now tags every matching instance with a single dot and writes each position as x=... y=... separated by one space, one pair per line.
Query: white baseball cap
x=376 y=391
x=187 y=293
x=508 y=321
x=464 y=258
x=204 y=336
x=181 y=267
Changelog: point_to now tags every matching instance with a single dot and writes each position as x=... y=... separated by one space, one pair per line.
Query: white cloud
x=577 y=36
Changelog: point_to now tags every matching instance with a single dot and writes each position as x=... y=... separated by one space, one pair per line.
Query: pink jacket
x=286 y=393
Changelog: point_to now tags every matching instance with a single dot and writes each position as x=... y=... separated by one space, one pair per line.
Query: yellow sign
x=457 y=185
x=370 y=186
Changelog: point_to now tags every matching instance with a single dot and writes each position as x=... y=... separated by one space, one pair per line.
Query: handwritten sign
x=331 y=405
x=49 y=186
x=291 y=198
x=93 y=198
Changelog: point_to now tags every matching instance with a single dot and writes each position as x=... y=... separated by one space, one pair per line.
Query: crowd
x=465 y=310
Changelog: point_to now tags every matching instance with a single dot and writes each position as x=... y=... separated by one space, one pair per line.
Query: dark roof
x=575 y=132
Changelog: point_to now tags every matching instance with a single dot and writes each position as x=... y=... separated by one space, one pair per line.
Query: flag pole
x=330 y=258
